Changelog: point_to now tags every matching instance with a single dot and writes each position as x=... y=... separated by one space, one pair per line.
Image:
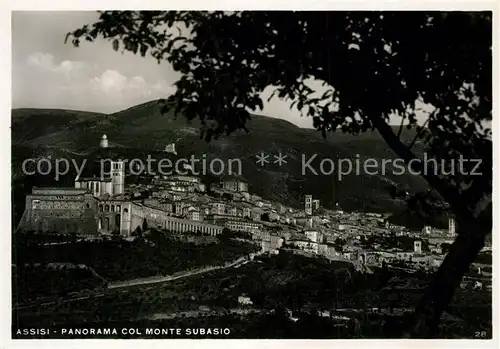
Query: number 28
x=480 y=334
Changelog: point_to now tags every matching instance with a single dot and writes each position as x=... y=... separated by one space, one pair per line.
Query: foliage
x=376 y=64
x=33 y=281
x=269 y=283
x=226 y=234
x=264 y=217
x=373 y=65
x=138 y=131
x=137 y=232
x=145 y=225
x=156 y=254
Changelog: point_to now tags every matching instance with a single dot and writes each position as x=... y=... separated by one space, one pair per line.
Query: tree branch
x=448 y=193
x=472 y=230
x=401 y=127
x=419 y=133
x=463 y=252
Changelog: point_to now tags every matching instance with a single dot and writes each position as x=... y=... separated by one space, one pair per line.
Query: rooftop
x=233 y=177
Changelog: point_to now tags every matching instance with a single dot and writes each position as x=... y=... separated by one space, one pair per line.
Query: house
x=243 y=225
x=477 y=285
x=305 y=245
x=231 y=210
x=313 y=235
x=217 y=207
x=235 y=184
x=436 y=249
x=244 y=300
x=246 y=212
x=194 y=215
x=273 y=216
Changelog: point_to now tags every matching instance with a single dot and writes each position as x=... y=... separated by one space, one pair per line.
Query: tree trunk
x=473 y=227
x=440 y=292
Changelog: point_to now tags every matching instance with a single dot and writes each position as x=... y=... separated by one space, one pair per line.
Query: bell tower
x=118 y=176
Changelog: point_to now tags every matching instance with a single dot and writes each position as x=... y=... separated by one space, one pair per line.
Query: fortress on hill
x=98 y=205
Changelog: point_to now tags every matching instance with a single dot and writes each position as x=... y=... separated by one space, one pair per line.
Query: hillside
x=145 y=129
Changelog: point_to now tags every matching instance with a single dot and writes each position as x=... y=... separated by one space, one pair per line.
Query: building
x=306 y=222
x=218 y=207
x=262 y=235
x=272 y=243
x=305 y=245
x=244 y=300
x=114 y=185
x=234 y=184
x=328 y=251
x=244 y=225
x=313 y=235
x=193 y=215
x=231 y=210
x=61 y=210
x=452 y=226
x=247 y=212
x=118 y=177
x=427 y=230
x=422 y=261
x=96 y=186
x=273 y=216
x=315 y=204
x=436 y=249
x=77 y=210
x=104 y=141
x=308 y=205
x=114 y=216
x=170 y=148
x=110 y=181
x=417 y=246
x=162 y=220
x=93 y=206
x=437 y=261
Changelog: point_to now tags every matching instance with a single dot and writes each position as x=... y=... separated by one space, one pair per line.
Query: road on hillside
x=135 y=282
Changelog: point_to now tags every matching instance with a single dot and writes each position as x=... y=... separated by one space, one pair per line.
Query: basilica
x=98 y=205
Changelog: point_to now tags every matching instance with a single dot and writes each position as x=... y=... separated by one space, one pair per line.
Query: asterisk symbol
x=262 y=159
x=280 y=159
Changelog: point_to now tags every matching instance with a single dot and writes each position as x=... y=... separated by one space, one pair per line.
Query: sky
x=47 y=73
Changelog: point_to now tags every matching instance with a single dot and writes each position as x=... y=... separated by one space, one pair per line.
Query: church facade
x=95 y=205
x=62 y=210
x=98 y=206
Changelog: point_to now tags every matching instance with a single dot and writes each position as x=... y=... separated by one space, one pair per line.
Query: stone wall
x=60 y=221
x=64 y=210
x=160 y=219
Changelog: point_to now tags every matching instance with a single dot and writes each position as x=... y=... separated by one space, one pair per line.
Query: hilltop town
x=182 y=203
x=251 y=174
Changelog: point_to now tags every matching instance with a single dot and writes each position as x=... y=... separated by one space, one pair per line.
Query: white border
x=5 y=192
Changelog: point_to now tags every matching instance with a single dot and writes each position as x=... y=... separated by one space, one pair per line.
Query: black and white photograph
x=244 y=174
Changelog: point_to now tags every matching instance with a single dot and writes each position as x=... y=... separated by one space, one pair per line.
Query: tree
x=226 y=234
x=373 y=65
x=264 y=217
x=339 y=244
x=445 y=247
x=137 y=232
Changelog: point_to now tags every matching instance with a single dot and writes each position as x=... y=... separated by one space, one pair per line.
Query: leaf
x=116 y=45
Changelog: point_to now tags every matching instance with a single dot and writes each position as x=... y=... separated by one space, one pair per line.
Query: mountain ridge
x=144 y=128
